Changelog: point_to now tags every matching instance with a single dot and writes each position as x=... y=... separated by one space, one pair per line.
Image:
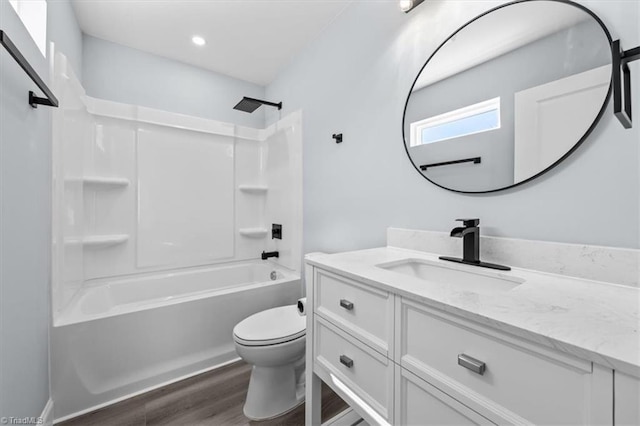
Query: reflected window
x=476 y=118
x=33 y=14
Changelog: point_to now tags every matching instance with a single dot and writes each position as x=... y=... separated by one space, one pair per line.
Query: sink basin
x=461 y=278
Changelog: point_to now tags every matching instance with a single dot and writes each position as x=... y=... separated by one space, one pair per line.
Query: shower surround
x=159 y=223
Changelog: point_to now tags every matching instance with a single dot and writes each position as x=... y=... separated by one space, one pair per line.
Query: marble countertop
x=589 y=319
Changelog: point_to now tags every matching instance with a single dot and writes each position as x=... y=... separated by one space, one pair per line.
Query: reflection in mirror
x=508 y=96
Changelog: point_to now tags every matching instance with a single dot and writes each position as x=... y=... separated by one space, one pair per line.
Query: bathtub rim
x=71 y=315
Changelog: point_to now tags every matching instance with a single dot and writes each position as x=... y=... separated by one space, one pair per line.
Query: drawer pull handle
x=472 y=364
x=346 y=361
x=346 y=304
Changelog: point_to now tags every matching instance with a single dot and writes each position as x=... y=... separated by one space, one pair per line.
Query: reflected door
x=549 y=118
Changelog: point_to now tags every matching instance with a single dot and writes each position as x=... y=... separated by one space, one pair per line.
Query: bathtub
x=121 y=337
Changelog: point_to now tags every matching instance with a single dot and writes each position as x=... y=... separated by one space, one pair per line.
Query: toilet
x=273 y=341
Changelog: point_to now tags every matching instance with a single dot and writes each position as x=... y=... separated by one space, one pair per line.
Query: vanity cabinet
x=396 y=360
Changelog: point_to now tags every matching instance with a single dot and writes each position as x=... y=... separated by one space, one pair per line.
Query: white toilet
x=273 y=341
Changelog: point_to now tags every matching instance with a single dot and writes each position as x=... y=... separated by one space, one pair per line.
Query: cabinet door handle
x=472 y=364
x=346 y=304
x=346 y=361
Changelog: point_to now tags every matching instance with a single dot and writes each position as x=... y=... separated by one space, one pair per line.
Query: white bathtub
x=120 y=337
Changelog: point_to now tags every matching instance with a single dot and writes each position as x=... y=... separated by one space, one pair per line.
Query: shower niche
x=139 y=191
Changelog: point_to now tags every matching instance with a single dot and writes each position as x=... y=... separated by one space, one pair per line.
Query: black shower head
x=247 y=105
x=250 y=104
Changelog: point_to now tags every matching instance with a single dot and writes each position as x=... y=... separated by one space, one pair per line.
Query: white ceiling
x=498 y=33
x=247 y=39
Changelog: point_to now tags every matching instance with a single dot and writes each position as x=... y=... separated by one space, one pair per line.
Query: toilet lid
x=270 y=327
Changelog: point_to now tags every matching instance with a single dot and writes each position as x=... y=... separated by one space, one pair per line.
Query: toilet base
x=256 y=419
x=274 y=391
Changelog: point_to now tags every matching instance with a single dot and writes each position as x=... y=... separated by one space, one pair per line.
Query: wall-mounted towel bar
x=34 y=100
x=622 y=82
x=474 y=160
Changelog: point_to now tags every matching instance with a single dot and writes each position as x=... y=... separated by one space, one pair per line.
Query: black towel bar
x=34 y=100
x=474 y=160
x=622 y=82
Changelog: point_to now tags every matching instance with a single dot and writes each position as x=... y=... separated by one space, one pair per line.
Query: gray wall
x=118 y=73
x=24 y=231
x=25 y=215
x=355 y=78
x=568 y=52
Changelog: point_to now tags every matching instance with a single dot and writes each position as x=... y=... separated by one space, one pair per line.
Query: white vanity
x=406 y=338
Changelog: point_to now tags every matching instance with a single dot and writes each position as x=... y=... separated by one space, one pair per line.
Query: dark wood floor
x=213 y=398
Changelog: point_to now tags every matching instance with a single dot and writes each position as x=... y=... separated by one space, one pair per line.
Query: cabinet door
x=419 y=403
x=627 y=404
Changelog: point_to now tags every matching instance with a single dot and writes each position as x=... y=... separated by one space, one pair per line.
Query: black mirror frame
x=596 y=121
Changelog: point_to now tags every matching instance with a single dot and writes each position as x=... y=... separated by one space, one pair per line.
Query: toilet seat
x=271 y=327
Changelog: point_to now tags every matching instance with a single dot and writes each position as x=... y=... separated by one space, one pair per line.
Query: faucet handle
x=469 y=222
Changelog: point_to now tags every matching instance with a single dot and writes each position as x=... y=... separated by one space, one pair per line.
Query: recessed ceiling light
x=198 y=41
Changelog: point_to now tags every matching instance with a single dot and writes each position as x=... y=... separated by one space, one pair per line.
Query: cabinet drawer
x=365 y=372
x=521 y=382
x=365 y=312
x=420 y=403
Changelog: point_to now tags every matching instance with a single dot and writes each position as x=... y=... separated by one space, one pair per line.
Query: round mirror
x=508 y=96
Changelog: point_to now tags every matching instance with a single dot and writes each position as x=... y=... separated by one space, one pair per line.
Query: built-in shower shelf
x=253 y=189
x=254 y=232
x=101 y=181
x=98 y=241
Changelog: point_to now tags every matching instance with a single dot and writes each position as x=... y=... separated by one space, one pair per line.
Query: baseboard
x=140 y=392
x=47 y=414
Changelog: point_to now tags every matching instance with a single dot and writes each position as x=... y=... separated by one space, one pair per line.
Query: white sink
x=459 y=277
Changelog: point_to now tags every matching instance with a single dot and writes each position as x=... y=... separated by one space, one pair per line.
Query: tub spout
x=266 y=255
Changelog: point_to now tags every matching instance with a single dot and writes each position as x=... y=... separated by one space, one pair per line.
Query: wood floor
x=213 y=398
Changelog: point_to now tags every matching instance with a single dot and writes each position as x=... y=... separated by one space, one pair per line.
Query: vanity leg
x=313 y=403
x=313 y=389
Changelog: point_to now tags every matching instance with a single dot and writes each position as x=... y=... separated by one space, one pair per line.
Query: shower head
x=247 y=105
x=250 y=104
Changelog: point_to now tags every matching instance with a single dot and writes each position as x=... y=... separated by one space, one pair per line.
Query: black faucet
x=268 y=254
x=470 y=234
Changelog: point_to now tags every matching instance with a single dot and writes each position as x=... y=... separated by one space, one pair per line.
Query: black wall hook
x=337 y=137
